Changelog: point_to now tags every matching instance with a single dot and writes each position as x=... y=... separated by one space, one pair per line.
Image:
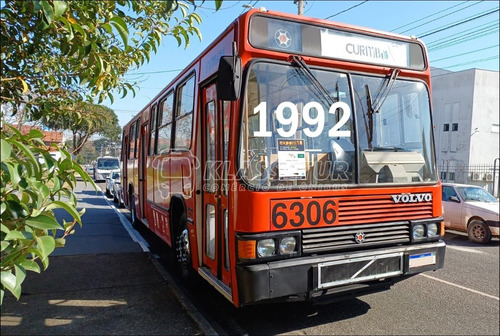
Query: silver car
x=110 y=181
x=471 y=209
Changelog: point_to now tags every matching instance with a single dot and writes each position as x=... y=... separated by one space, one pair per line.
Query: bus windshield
x=108 y=163
x=307 y=127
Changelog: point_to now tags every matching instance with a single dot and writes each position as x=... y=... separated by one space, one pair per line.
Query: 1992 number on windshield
x=298 y=213
x=316 y=120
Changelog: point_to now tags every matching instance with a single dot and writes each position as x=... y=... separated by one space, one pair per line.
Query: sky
x=459 y=35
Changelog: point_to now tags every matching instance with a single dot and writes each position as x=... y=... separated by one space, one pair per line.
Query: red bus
x=291 y=160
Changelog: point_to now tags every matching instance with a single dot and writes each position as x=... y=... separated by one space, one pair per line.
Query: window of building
x=446 y=127
x=443 y=176
x=454 y=127
x=184 y=115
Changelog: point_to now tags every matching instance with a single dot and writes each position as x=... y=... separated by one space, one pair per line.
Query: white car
x=117 y=193
x=471 y=209
x=110 y=181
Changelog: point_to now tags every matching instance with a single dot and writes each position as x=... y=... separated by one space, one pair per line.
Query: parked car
x=114 y=176
x=117 y=193
x=471 y=209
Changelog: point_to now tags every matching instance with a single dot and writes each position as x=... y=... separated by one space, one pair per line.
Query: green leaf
x=34 y=133
x=46 y=245
x=20 y=275
x=121 y=27
x=107 y=27
x=28 y=153
x=6 y=149
x=31 y=265
x=66 y=206
x=14 y=234
x=4 y=245
x=59 y=7
x=44 y=222
x=9 y=282
x=48 y=12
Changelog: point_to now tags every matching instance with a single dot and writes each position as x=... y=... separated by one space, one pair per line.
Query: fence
x=485 y=176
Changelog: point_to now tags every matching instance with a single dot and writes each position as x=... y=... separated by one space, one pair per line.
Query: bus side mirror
x=229 y=78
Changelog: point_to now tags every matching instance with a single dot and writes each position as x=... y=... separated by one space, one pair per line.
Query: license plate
x=422 y=259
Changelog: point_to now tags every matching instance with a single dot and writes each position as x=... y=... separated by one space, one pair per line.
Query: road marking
x=464 y=249
x=461 y=287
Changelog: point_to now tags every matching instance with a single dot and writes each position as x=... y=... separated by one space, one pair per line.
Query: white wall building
x=466 y=120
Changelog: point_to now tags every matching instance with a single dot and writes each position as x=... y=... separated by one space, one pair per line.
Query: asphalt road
x=460 y=299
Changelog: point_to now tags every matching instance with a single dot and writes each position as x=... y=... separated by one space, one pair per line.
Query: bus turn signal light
x=246 y=249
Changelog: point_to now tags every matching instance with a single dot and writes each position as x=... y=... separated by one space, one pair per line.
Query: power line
x=467 y=53
x=459 y=23
x=153 y=72
x=345 y=10
x=474 y=61
x=428 y=16
x=463 y=33
x=461 y=39
x=441 y=17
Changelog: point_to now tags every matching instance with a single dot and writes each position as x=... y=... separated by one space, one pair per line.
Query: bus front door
x=215 y=136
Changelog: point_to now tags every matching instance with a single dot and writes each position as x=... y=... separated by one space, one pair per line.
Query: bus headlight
x=418 y=231
x=287 y=245
x=432 y=230
x=266 y=247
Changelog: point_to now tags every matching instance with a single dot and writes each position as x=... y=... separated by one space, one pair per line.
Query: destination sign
x=313 y=40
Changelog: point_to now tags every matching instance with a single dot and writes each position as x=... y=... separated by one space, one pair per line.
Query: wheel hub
x=182 y=248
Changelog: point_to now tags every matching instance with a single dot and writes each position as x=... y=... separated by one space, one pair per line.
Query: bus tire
x=181 y=244
x=478 y=232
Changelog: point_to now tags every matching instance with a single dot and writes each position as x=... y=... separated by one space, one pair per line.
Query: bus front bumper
x=344 y=273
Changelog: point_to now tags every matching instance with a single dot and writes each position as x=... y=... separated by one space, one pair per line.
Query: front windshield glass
x=395 y=141
x=476 y=194
x=297 y=133
x=298 y=129
x=108 y=164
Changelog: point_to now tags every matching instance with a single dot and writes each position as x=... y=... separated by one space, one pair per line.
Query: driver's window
x=448 y=192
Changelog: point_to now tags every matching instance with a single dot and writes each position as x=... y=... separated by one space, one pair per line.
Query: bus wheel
x=478 y=232
x=182 y=248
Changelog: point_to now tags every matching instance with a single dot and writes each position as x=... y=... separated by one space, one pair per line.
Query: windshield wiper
x=384 y=92
x=375 y=105
x=312 y=78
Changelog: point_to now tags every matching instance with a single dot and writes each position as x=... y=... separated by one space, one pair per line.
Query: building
x=466 y=121
x=49 y=137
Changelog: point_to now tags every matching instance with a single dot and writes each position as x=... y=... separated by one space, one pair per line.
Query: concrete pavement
x=104 y=282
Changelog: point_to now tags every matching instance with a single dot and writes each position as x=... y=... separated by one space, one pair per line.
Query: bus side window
x=184 y=116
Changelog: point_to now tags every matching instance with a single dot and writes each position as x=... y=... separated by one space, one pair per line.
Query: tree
x=55 y=54
x=85 y=120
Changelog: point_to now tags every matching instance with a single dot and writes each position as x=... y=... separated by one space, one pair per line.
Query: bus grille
x=343 y=237
x=380 y=220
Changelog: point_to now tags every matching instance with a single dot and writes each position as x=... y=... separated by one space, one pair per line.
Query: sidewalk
x=101 y=283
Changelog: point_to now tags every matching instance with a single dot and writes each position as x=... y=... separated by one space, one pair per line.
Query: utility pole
x=300 y=6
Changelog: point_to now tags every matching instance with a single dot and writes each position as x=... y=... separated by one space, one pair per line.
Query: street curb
x=193 y=312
